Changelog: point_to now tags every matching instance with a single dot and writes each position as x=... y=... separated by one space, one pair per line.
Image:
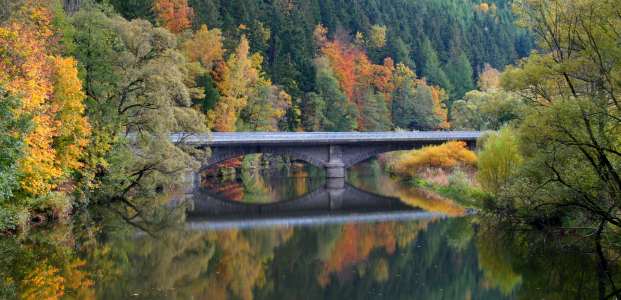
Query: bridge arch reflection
x=336 y=194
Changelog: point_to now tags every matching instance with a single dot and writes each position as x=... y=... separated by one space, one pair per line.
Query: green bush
x=483 y=138
x=53 y=204
x=497 y=161
x=461 y=190
x=12 y=216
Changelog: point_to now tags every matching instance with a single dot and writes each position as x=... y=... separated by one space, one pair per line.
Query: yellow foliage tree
x=70 y=125
x=446 y=156
x=489 y=78
x=205 y=46
x=50 y=91
x=234 y=81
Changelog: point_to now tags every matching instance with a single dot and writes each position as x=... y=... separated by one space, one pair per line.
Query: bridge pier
x=336 y=191
x=335 y=168
x=192 y=180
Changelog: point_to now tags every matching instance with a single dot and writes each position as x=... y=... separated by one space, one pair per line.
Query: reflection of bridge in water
x=335 y=202
x=334 y=195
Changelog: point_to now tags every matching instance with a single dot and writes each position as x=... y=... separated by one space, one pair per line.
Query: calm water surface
x=334 y=248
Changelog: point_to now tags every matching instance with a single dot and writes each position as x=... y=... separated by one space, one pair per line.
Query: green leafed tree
x=485 y=111
x=376 y=115
x=136 y=98
x=13 y=128
x=570 y=134
x=329 y=109
x=460 y=75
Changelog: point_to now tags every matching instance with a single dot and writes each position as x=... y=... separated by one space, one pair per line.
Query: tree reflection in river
x=277 y=184
x=150 y=252
x=548 y=266
x=371 y=177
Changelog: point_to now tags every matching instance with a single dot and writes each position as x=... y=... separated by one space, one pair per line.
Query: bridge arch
x=224 y=154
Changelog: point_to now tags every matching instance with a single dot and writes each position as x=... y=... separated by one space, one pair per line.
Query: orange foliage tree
x=175 y=15
x=51 y=93
x=352 y=69
x=440 y=112
x=205 y=46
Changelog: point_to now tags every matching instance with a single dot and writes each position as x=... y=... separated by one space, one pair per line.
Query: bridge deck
x=317 y=138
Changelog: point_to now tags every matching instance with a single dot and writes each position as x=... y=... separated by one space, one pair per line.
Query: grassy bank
x=456 y=185
x=448 y=169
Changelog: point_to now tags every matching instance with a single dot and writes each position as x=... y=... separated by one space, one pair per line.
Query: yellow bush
x=446 y=156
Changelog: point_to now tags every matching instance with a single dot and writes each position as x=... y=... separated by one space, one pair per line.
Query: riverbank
x=448 y=169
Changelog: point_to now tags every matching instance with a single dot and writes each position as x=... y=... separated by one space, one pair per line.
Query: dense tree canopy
x=445 y=41
x=94 y=89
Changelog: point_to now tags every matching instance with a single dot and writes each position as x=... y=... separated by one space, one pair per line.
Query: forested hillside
x=91 y=90
x=446 y=42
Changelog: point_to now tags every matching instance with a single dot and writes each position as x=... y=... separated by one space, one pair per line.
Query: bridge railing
x=344 y=136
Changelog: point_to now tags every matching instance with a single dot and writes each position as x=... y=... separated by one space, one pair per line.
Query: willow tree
x=136 y=99
x=570 y=136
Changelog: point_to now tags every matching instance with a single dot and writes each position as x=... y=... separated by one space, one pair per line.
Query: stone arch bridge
x=332 y=151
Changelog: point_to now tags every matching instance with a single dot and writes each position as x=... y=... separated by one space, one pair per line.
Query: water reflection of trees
x=41 y=264
x=276 y=184
x=147 y=252
x=540 y=265
x=370 y=177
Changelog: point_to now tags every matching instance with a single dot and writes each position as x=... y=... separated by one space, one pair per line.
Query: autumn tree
x=51 y=95
x=205 y=47
x=489 y=78
x=174 y=15
x=203 y=51
x=374 y=42
x=234 y=81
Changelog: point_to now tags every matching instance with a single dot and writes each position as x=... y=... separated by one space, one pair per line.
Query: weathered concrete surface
x=332 y=151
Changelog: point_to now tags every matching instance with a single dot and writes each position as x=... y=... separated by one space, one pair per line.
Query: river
x=287 y=233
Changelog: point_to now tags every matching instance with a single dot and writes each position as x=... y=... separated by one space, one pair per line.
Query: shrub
x=497 y=160
x=447 y=156
x=483 y=138
x=389 y=159
x=12 y=216
x=54 y=204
